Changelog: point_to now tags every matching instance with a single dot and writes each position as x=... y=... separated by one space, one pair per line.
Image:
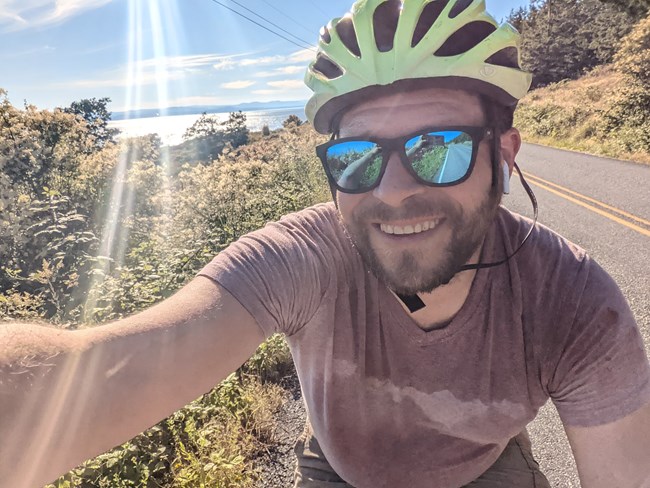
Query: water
x=171 y=128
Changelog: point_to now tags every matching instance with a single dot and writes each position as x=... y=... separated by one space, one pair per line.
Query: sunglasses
x=437 y=156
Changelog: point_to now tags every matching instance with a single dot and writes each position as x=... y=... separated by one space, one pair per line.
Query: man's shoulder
x=544 y=247
x=319 y=214
x=549 y=270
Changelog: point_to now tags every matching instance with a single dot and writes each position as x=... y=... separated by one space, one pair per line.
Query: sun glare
x=148 y=68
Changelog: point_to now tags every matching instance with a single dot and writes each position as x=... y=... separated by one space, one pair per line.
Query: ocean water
x=171 y=128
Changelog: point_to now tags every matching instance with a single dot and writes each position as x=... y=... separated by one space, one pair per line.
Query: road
x=455 y=171
x=603 y=205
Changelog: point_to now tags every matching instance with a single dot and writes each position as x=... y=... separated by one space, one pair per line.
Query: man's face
x=459 y=215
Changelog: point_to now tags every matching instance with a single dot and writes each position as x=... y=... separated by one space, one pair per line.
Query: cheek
x=347 y=204
x=472 y=193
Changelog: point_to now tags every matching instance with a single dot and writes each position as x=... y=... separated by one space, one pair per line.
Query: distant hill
x=211 y=109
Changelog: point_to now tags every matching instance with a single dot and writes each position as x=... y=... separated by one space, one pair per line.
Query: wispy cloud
x=23 y=14
x=282 y=71
x=26 y=52
x=286 y=84
x=299 y=57
x=153 y=70
x=237 y=85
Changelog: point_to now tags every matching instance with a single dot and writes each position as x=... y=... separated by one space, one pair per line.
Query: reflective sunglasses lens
x=354 y=165
x=441 y=157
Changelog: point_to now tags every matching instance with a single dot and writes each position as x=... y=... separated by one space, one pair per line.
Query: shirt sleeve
x=278 y=273
x=602 y=372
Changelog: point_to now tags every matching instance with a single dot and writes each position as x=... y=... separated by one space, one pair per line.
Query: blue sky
x=157 y=53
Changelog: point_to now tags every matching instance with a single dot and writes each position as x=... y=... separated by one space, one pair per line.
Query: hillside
x=573 y=114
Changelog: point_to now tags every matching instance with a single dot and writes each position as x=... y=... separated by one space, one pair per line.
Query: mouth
x=415 y=228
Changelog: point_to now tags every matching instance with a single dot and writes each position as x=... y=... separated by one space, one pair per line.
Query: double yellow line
x=612 y=213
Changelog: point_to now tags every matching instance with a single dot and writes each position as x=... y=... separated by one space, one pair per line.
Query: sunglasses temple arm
x=533 y=199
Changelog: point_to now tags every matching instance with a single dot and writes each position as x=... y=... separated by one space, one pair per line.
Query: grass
x=573 y=115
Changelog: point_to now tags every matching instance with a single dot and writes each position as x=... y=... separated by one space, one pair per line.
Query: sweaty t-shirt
x=393 y=405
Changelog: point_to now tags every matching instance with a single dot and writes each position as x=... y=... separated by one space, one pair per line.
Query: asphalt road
x=621 y=246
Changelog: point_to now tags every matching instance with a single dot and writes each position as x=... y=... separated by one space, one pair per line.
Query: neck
x=443 y=303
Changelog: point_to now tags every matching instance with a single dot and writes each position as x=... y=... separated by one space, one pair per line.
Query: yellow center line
x=589 y=199
x=608 y=215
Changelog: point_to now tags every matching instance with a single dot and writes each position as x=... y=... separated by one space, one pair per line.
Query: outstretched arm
x=67 y=396
x=614 y=455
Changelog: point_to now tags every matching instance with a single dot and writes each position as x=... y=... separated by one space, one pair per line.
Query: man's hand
x=615 y=455
x=68 y=396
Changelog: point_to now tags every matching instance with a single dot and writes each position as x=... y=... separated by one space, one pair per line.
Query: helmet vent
x=428 y=17
x=325 y=35
x=348 y=35
x=459 y=8
x=385 y=24
x=327 y=68
x=508 y=57
x=465 y=38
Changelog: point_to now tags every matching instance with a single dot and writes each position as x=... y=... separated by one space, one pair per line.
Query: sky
x=163 y=53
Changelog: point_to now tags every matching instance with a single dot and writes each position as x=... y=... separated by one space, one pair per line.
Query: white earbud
x=506 y=178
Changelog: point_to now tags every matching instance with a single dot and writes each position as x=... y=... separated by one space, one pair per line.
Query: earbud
x=506 y=178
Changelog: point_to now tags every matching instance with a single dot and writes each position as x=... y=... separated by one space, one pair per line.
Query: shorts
x=515 y=468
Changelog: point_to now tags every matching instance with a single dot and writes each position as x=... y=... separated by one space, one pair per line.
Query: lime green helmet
x=386 y=45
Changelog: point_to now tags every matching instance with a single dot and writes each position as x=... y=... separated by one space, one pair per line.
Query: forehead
x=406 y=112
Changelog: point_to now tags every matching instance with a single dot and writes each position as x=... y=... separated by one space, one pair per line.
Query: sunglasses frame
x=398 y=145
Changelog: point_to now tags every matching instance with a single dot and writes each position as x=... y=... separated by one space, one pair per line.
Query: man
x=420 y=360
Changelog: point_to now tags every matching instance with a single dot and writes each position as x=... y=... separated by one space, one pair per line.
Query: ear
x=510 y=145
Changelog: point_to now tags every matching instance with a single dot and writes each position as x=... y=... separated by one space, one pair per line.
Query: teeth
x=409 y=229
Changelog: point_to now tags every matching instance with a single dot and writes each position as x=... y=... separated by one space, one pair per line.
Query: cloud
x=151 y=71
x=284 y=70
x=266 y=60
x=22 y=14
x=224 y=64
x=286 y=84
x=237 y=85
x=298 y=57
x=302 y=56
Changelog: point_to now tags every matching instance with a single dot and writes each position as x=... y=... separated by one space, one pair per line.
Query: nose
x=397 y=184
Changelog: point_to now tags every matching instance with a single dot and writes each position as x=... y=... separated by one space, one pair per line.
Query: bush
x=74 y=251
x=292 y=120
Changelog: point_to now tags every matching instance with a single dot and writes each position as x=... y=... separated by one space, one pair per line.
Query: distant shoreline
x=170 y=128
x=210 y=109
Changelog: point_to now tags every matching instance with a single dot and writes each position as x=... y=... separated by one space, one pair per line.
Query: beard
x=425 y=269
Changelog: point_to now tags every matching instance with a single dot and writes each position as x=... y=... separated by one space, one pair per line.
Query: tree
x=565 y=39
x=637 y=8
x=95 y=112
x=633 y=58
x=292 y=120
x=236 y=130
x=208 y=136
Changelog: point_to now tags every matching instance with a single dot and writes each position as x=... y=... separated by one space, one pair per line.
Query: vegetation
x=92 y=229
x=208 y=138
x=590 y=66
x=292 y=120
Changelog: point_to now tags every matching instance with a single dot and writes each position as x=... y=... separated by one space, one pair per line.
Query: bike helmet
x=386 y=45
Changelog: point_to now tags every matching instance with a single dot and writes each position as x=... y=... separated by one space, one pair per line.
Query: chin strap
x=415 y=303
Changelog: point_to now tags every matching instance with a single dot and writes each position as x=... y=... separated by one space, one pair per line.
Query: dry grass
x=571 y=115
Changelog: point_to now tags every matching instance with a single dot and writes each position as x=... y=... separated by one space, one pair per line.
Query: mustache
x=414 y=207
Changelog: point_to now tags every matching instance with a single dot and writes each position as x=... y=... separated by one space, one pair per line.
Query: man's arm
x=67 y=396
x=615 y=455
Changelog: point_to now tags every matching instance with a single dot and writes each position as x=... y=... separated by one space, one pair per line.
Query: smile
x=409 y=229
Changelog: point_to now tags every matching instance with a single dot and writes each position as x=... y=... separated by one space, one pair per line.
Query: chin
x=410 y=275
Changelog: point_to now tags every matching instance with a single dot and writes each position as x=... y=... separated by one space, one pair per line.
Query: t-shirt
x=394 y=405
